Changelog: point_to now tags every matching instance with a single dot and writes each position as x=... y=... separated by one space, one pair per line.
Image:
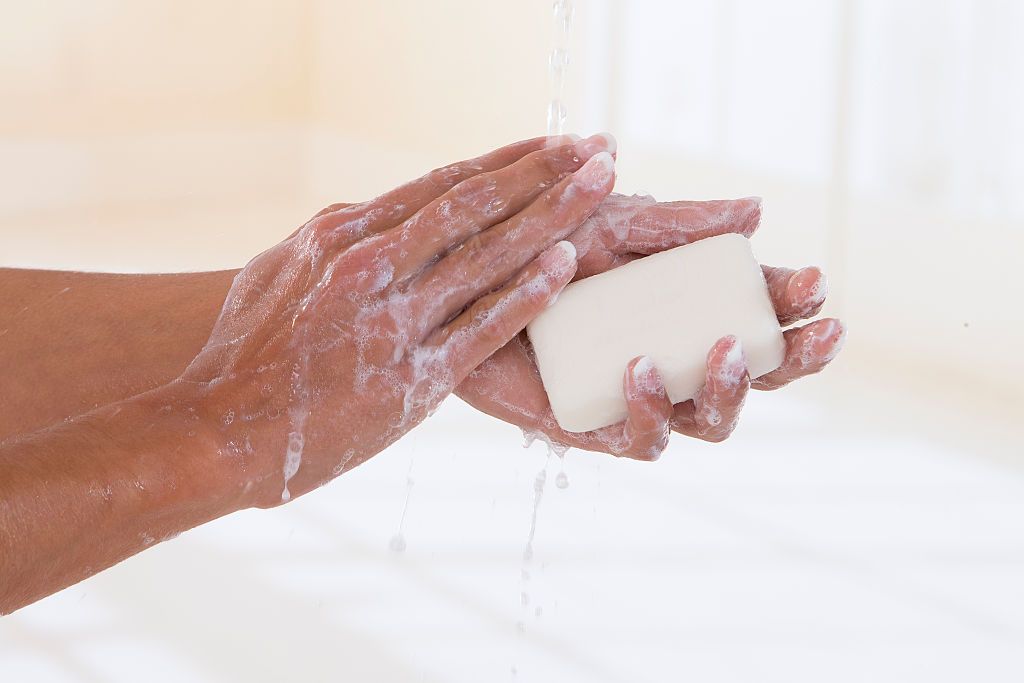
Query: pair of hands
x=334 y=343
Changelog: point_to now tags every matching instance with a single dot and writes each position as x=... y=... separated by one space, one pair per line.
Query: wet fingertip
x=727 y=363
x=595 y=144
x=567 y=248
x=838 y=337
x=559 y=254
x=643 y=378
x=753 y=219
x=734 y=355
x=808 y=288
x=595 y=174
x=611 y=144
x=722 y=347
x=641 y=366
x=824 y=339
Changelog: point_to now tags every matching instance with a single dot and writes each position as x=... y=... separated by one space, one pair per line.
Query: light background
x=866 y=525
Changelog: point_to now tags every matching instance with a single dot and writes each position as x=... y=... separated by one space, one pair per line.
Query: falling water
x=558 y=64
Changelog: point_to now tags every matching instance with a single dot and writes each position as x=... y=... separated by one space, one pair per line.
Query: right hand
x=337 y=341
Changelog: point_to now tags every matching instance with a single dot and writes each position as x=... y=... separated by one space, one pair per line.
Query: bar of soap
x=671 y=306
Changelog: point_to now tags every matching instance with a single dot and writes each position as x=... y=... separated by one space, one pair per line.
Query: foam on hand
x=671 y=307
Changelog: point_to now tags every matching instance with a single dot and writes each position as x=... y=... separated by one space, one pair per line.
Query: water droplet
x=562 y=480
x=397 y=543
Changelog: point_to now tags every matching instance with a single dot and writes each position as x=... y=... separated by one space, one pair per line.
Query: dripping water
x=397 y=543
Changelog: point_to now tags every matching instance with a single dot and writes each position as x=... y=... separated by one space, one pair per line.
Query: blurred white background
x=866 y=525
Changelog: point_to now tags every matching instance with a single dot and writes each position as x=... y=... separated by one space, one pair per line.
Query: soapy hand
x=508 y=385
x=334 y=343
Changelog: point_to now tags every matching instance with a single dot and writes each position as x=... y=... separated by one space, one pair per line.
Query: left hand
x=508 y=385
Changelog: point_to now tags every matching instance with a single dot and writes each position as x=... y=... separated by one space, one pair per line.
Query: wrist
x=189 y=467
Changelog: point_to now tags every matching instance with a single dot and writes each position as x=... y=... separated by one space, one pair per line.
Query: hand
x=508 y=385
x=334 y=343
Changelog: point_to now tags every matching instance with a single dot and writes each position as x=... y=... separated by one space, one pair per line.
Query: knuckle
x=476 y=191
x=446 y=175
x=489 y=252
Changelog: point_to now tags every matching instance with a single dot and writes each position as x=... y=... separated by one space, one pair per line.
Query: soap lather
x=672 y=307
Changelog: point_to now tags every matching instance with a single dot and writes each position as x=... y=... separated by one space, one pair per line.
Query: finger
x=808 y=350
x=351 y=222
x=332 y=208
x=664 y=225
x=473 y=206
x=322 y=212
x=795 y=294
x=646 y=430
x=713 y=414
x=488 y=259
x=494 y=319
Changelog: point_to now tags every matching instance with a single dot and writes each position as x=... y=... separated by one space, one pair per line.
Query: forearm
x=83 y=495
x=71 y=342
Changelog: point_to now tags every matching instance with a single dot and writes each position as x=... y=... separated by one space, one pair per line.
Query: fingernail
x=611 y=144
x=596 y=173
x=645 y=376
x=839 y=339
x=568 y=249
x=811 y=286
x=824 y=341
x=557 y=254
x=734 y=363
x=602 y=142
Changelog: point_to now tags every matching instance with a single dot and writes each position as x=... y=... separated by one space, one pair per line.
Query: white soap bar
x=672 y=306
